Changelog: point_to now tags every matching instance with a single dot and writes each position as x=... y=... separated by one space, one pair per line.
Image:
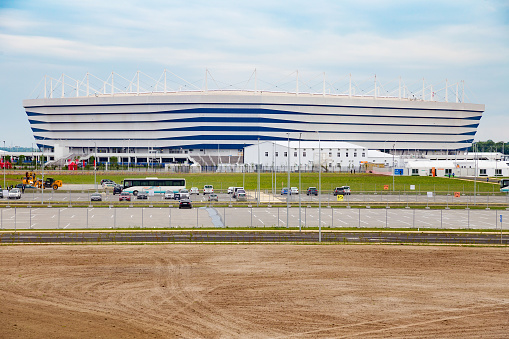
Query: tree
x=114 y=162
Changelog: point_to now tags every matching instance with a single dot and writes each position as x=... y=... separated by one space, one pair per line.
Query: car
x=142 y=195
x=183 y=193
x=230 y=190
x=194 y=190
x=20 y=186
x=343 y=190
x=96 y=197
x=294 y=190
x=1 y=193
x=235 y=189
x=208 y=189
x=169 y=195
x=312 y=191
x=241 y=196
x=124 y=196
x=117 y=189
x=105 y=180
x=15 y=193
x=213 y=197
x=284 y=191
x=239 y=192
x=185 y=203
x=107 y=184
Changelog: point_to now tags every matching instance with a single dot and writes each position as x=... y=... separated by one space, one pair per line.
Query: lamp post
x=95 y=167
x=319 y=190
x=393 y=168
x=300 y=192
x=288 y=183
x=42 y=174
x=3 y=160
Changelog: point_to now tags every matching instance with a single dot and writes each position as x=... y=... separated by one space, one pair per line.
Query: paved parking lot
x=137 y=217
x=267 y=197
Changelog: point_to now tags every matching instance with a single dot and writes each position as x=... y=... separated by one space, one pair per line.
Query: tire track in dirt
x=394 y=323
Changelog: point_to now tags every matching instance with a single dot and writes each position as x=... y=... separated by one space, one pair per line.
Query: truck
x=48 y=183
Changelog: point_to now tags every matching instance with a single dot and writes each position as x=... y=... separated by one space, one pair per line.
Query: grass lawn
x=357 y=182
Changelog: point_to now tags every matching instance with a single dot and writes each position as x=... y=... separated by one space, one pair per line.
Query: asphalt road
x=212 y=236
x=79 y=196
x=262 y=217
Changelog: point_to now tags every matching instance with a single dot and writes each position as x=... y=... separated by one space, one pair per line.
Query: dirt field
x=255 y=291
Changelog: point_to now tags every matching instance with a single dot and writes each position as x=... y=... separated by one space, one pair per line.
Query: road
x=80 y=196
x=262 y=217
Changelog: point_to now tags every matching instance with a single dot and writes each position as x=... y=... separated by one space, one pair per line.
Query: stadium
x=122 y=118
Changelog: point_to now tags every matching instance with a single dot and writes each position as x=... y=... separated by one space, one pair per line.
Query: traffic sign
x=339 y=197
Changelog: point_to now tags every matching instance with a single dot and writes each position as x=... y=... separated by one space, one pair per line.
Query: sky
x=464 y=40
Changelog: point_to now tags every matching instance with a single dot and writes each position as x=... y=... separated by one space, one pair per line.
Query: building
x=163 y=126
x=334 y=156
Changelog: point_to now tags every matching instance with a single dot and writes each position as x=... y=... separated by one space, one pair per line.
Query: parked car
x=241 y=196
x=238 y=193
x=20 y=186
x=236 y=189
x=105 y=180
x=185 y=203
x=230 y=190
x=343 y=190
x=15 y=193
x=213 y=197
x=294 y=190
x=169 y=195
x=117 y=189
x=284 y=191
x=109 y=184
x=1 y=193
x=208 y=189
x=142 y=195
x=96 y=197
x=183 y=193
x=312 y=191
x=124 y=196
x=194 y=190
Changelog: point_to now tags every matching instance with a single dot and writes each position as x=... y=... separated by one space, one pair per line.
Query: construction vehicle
x=48 y=183
x=29 y=179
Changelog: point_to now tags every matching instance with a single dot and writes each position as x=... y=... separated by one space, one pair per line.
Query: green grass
x=221 y=181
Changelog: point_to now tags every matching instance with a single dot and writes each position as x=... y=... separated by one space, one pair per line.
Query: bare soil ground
x=255 y=291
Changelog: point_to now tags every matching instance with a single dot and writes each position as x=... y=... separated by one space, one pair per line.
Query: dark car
x=20 y=186
x=185 y=203
x=343 y=190
x=312 y=191
x=117 y=189
x=142 y=195
x=124 y=196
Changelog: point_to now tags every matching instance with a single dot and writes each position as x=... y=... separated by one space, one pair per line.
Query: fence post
x=441 y=224
x=332 y=216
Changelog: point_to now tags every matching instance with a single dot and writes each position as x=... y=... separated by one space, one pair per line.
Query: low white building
x=458 y=168
x=334 y=156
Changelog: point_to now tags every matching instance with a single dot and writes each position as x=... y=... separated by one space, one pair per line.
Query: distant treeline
x=490 y=146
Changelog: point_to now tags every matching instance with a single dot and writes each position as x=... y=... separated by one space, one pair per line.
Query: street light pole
x=300 y=191
x=3 y=160
x=288 y=183
x=319 y=189
x=393 y=168
x=95 y=167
